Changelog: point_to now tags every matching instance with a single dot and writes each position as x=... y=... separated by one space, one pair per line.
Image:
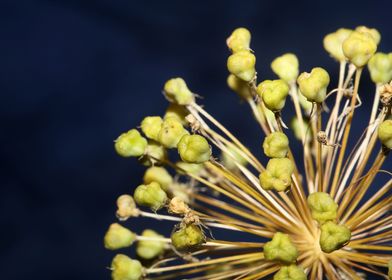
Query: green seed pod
x=291 y=272
x=385 y=133
x=239 y=86
x=281 y=249
x=322 y=206
x=242 y=65
x=118 y=237
x=150 y=249
x=176 y=111
x=130 y=144
x=125 y=268
x=390 y=269
x=276 y=145
x=189 y=168
x=150 y=195
x=314 y=85
x=273 y=93
x=159 y=175
x=239 y=40
x=359 y=47
x=171 y=132
x=380 y=68
x=305 y=104
x=178 y=92
x=194 y=149
x=286 y=67
x=151 y=127
x=155 y=154
x=277 y=176
x=229 y=161
x=333 y=43
x=372 y=31
x=126 y=207
x=333 y=236
x=187 y=237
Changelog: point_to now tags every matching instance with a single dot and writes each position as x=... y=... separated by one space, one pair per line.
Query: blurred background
x=74 y=74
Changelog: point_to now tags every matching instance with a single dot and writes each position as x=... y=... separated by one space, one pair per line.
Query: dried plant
x=312 y=224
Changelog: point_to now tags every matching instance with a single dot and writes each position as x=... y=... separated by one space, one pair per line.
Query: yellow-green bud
x=239 y=86
x=155 y=153
x=276 y=145
x=125 y=268
x=280 y=248
x=151 y=127
x=390 y=269
x=239 y=40
x=150 y=195
x=313 y=85
x=291 y=272
x=380 y=68
x=372 y=31
x=159 y=175
x=305 y=104
x=118 y=237
x=322 y=206
x=126 y=207
x=277 y=175
x=176 y=111
x=178 y=92
x=150 y=249
x=333 y=236
x=187 y=237
x=229 y=161
x=295 y=125
x=286 y=67
x=242 y=65
x=171 y=132
x=385 y=133
x=273 y=93
x=189 y=168
x=333 y=43
x=359 y=47
x=182 y=191
x=194 y=149
x=130 y=144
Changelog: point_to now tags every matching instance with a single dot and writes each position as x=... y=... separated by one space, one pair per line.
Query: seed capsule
x=291 y=272
x=333 y=236
x=126 y=207
x=125 y=268
x=314 y=85
x=187 y=237
x=322 y=206
x=277 y=175
x=159 y=175
x=239 y=40
x=333 y=43
x=242 y=65
x=380 y=68
x=276 y=145
x=150 y=249
x=286 y=67
x=151 y=127
x=178 y=92
x=280 y=248
x=239 y=86
x=194 y=149
x=385 y=133
x=150 y=195
x=130 y=144
x=372 y=31
x=359 y=47
x=273 y=93
x=155 y=154
x=176 y=111
x=171 y=132
x=118 y=237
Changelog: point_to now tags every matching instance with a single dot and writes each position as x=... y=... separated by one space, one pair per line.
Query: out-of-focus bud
x=276 y=145
x=125 y=268
x=273 y=93
x=176 y=111
x=333 y=43
x=380 y=68
x=150 y=249
x=189 y=168
x=333 y=236
x=322 y=206
x=151 y=127
x=242 y=65
x=239 y=86
x=295 y=125
x=155 y=153
x=229 y=161
x=291 y=272
x=277 y=175
x=286 y=67
x=159 y=175
x=280 y=248
x=239 y=40
x=385 y=133
x=130 y=144
x=118 y=237
x=171 y=132
x=126 y=207
x=359 y=47
x=194 y=149
x=314 y=85
x=150 y=195
x=178 y=92
x=187 y=237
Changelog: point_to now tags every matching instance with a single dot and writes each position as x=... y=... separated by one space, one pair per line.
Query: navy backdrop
x=74 y=74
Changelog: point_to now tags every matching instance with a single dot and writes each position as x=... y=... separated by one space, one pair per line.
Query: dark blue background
x=74 y=74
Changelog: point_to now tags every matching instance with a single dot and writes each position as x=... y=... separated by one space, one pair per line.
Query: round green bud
x=314 y=85
x=150 y=195
x=229 y=161
x=276 y=145
x=390 y=269
x=291 y=272
x=176 y=111
x=178 y=92
x=239 y=40
x=359 y=47
x=372 y=31
x=380 y=68
x=189 y=168
x=125 y=268
x=273 y=93
x=150 y=249
x=242 y=65
x=130 y=144
x=118 y=237
x=194 y=149
x=239 y=86
x=333 y=236
x=281 y=249
x=187 y=237
x=277 y=175
x=155 y=153
x=159 y=175
x=333 y=43
x=151 y=127
x=286 y=67
x=385 y=133
x=171 y=132
x=322 y=206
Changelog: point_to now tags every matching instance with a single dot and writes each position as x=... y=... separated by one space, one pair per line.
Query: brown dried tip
x=178 y=206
